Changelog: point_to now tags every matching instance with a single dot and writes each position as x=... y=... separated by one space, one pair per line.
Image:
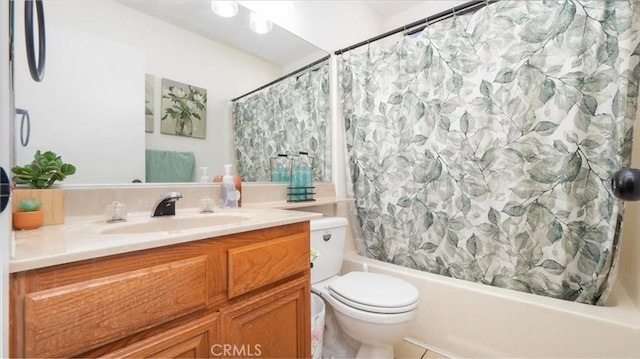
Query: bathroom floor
x=405 y=350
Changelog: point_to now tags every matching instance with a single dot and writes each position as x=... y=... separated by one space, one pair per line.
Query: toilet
x=374 y=309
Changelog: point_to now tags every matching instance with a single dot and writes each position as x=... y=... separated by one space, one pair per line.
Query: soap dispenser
x=204 y=177
x=228 y=193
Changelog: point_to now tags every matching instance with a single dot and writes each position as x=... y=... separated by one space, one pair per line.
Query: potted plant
x=45 y=169
x=29 y=215
x=39 y=175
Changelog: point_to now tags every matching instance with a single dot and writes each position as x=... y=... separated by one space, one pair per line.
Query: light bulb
x=260 y=24
x=224 y=8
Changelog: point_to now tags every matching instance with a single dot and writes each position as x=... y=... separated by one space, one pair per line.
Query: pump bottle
x=228 y=194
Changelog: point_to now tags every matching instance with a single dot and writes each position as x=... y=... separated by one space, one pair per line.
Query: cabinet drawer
x=193 y=340
x=72 y=318
x=258 y=264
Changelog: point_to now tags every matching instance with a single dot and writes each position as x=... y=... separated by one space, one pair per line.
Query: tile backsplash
x=92 y=200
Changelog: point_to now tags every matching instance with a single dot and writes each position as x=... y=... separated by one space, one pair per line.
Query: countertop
x=85 y=237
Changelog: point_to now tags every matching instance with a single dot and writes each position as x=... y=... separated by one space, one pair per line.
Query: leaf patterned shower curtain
x=483 y=148
x=290 y=116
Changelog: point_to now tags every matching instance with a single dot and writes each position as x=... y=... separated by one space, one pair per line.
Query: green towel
x=170 y=166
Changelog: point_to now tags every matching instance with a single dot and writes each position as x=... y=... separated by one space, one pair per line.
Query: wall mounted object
x=184 y=109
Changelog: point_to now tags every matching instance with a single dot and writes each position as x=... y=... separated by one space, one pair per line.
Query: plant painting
x=184 y=109
x=149 y=103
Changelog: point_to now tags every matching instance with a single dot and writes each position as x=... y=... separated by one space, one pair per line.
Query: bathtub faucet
x=166 y=204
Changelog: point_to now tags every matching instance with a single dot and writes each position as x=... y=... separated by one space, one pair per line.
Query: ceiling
x=387 y=9
x=279 y=46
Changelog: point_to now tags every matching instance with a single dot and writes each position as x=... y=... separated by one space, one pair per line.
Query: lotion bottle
x=238 y=182
x=228 y=194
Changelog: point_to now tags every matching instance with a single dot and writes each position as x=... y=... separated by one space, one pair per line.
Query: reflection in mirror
x=288 y=117
x=90 y=107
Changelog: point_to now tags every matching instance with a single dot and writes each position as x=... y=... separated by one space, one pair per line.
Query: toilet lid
x=374 y=292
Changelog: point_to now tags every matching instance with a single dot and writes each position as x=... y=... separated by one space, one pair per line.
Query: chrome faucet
x=166 y=204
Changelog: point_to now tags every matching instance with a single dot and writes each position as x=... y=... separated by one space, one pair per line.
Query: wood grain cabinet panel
x=66 y=320
x=194 y=340
x=274 y=324
x=259 y=264
x=241 y=295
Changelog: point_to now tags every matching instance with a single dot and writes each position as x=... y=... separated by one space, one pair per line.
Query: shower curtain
x=290 y=116
x=483 y=147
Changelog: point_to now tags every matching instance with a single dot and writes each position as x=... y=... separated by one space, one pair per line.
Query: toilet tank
x=328 y=235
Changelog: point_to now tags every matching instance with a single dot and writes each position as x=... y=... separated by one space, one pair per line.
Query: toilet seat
x=373 y=309
x=369 y=317
x=375 y=293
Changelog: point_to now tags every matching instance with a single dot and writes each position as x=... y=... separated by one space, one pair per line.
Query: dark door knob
x=625 y=184
x=5 y=189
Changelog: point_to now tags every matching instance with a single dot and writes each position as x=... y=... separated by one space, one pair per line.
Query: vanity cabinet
x=240 y=295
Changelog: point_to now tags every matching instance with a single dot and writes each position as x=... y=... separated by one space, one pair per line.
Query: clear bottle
x=308 y=182
x=228 y=193
x=204 y=177
x=280 y=168
x=296 y=182
x=305 y=182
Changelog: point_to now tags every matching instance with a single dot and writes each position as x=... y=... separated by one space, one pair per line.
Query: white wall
x=420 y=11
x=107 y=109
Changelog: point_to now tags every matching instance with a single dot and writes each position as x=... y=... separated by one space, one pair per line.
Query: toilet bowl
x=374 y=309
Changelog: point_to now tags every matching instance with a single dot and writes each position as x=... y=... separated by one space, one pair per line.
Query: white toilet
x=372 y=308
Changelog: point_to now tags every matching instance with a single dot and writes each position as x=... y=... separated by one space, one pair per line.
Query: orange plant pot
x=28 y=220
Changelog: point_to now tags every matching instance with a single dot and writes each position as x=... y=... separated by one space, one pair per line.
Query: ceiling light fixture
x=260 y=24
x=225 y=8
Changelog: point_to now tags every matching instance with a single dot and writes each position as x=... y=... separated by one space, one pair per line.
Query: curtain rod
x=458 y=10
x=284 y=77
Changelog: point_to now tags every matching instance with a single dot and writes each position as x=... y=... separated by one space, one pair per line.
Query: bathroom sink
x=171 y=223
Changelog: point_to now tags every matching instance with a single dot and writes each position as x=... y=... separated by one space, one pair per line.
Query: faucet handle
x=116 y=212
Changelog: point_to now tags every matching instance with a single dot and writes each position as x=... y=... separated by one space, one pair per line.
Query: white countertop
x=82 y=237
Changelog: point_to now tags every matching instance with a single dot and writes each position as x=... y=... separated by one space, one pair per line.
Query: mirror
x=102 y=55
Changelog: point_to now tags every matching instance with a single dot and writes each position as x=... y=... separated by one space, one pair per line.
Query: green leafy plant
x=45 y=169
x=148 y=111
x=185 y=105
x=314 y=254
x=29 y=205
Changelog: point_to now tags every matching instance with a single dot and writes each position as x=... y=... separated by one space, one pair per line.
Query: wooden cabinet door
x=194 y=340
x=273 y=324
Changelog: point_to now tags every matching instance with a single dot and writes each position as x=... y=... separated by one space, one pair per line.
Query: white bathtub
x=461 y=319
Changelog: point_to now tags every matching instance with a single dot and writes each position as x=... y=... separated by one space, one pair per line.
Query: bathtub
x=461 y=319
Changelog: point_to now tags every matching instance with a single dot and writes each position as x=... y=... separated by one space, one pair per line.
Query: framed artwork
x=184 y=110
x=149 y=102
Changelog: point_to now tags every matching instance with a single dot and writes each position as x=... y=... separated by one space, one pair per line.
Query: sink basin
x=172 y=223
